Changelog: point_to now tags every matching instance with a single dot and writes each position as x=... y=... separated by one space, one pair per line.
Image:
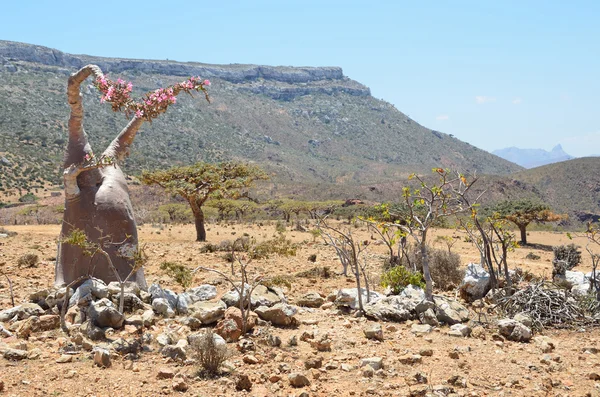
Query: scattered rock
x=349 y=297
x=476 y=283
x=514 y=330
x=161 y=306
x=208 y=312
x=313 y=362
x=230 y=327
x=310 y=299
x=21 y=312
x=102 y=358
x=523 y=319
x=421 y=328
x=280 y=314
x=103 y=313
x=426 y=352
x=65 y=358
x=165 y=373
x=459 y=330
x=15 y=354
x=545 y=344
x=250 y=359
x=129 y=287
x=323 y=344
x=298 y=380
x=390 y=308
x=175 y=352
x=449 y=311
x=179 y=384
x=374 y=362
x=243 y=382
x=410 y=359
x=374 y=331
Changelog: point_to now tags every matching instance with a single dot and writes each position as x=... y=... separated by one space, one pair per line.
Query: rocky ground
x=306 y=339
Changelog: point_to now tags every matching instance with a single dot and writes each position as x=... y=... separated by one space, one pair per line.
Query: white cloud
x=517 y=101
x=481 y=99
x=442 y=117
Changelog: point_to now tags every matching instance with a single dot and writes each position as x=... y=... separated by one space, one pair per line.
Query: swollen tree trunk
x=198 y=219
x=523 y=230
x=96 y=199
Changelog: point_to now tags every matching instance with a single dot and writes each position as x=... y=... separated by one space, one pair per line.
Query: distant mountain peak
x=531 y=158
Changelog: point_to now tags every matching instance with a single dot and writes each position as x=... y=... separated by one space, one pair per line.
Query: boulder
x=310 y=299
x=514 y=330
x=373 y=331
x=298 y=380
x=449 y=311
x=421 y=328
x=412 y=296
x=131 y=287
x=102 y=357
x=390 y=308
x=89 y=290
x=261 y=296
x=103 y=313
x=280 y=314
x=21 y=312
x=208 y=312
x=156 y=291
x=201 y=293
x=161 y=306
x=349 y=297
x=459 y=330
x=230 y=327
x=476 y=283
x=374 y=362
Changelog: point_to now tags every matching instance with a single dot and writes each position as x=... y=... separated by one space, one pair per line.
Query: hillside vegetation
x=306 y=126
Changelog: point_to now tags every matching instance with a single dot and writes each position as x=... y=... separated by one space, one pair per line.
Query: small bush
x=280 y=227
x=279 y=281
x=443 y=265
x=533 y=257
x=312 y=258
x=278 y=246
x=178 y=272
x=28 y=260
x=209 y=354
x=569 y=255
x=28 y=198
x=399 y=277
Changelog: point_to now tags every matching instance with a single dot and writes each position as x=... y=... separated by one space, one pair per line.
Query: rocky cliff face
x=268 y=80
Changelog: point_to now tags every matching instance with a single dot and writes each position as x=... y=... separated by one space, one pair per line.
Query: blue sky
x=493 y=73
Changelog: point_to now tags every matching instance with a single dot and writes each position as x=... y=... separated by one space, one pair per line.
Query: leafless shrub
x=209 y=354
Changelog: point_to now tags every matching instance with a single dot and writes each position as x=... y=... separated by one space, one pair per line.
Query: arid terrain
x=480 y=365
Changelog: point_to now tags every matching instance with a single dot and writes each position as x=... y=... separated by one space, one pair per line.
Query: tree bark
x=198 y=219
x=523 y=230
x=426 y=271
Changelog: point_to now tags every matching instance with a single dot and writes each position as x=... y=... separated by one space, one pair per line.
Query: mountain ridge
x=531 y=158
x=306 y=126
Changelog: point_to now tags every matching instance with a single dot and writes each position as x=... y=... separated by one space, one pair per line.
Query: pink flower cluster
x=153 y=103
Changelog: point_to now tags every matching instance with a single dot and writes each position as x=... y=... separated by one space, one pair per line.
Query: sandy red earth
x=483 y=365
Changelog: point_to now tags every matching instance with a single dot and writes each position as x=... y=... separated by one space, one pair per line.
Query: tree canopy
x=523 y=212
x=201 y=181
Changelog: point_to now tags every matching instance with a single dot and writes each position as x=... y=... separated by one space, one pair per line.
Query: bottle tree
x=96 y=194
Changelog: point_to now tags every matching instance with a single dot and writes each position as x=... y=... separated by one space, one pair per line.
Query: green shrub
x=178 y=272
x=28 y=198
x=399 y=277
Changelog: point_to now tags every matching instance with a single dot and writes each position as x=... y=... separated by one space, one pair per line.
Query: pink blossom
x=139 y=114
x=129 y=87
x=206 y=82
